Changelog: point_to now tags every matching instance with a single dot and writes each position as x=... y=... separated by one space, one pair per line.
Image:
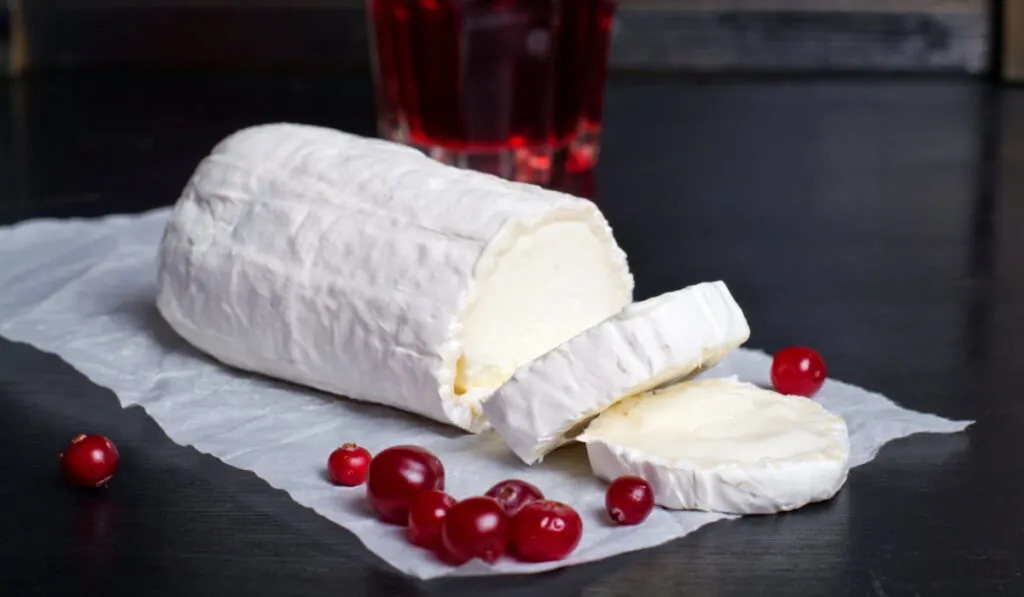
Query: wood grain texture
x=1013 y=41
x=787 y=36
x=898 y=6
x=6 y=26
x=18 y=58
x=802 y=41
x=876 y=220
x=675 y=5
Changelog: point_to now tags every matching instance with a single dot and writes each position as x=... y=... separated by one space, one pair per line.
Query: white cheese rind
x=724 y=446
x=648 y=344
x=363 y=268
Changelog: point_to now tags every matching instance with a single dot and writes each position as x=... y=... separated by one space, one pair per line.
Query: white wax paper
x=84 y=290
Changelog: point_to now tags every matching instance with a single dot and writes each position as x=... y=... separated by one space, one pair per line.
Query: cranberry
x=629 y=500
x=476 y=527
x=513 y=494
x=446 y=556
x=545 y=531
x=89 y=460
x=348 y=465
x=396 y=475
x=426 y=517
x=798 y=371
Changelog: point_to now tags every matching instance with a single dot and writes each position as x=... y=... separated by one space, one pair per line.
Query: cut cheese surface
x=647 y=344
x=724 y=446
x=366 y=269
x=516 y=318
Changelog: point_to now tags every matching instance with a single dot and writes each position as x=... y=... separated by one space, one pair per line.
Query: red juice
x=512 y=87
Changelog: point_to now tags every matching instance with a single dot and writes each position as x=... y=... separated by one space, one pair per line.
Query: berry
x=513 y=494
x=446 y=557
x=629 y=500
x=798 y=371
x=349 y=465
x=396 y=475
x=476 y=527
x=426 y=517
x=89 y=460
x=545 y=531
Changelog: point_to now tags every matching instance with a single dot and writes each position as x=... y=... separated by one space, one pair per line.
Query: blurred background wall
x=900 y=36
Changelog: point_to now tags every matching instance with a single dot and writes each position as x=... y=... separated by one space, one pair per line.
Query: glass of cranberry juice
x=510 y=87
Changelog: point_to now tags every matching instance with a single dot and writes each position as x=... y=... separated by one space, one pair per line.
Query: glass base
x=543 y=165
x=540 y=165
x=537 y=165
x=584 y=150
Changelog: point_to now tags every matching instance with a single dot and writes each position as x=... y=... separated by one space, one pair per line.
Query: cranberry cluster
x=405 y=486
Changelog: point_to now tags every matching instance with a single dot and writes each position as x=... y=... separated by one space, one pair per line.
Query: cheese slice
x=649 y=343
x=724 y=446
x=364 y=268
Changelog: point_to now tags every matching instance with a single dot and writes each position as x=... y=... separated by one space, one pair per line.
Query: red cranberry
x=90 y=460
x=396 y=475
x=349 y=465
x=513 y=494
x=545 y=531
x=426 y=517
x=476 y=527
x=629 y=500
x=798 y=371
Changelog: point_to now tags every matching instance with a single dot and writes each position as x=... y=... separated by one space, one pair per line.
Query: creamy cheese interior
x=720 y=421
x=549 y=285
x=710 y=357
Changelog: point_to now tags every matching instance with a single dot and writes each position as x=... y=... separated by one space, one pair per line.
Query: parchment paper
x=84 y=290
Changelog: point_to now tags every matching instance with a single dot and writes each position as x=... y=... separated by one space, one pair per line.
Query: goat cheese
x=724 y=446
x=648 y=344
x=364 y=268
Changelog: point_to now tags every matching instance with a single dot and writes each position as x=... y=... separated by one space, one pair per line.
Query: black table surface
x=877 y=220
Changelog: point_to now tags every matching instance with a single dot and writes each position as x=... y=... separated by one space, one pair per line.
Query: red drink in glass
x=510 y=87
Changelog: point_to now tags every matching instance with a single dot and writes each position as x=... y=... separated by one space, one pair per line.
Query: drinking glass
x=510 y=87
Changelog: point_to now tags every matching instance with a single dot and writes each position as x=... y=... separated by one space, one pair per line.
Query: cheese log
x=647 y=344
x=363 y=268
x=722 y=445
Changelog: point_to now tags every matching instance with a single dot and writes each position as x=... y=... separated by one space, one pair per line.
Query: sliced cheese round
x=647 y=344
x=364 y=268
x=723 y=446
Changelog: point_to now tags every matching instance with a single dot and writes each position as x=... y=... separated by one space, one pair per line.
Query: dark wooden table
x=879 y=221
